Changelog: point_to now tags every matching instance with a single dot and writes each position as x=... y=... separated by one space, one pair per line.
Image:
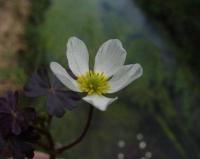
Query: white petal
x=100 y=102
x=110 y=57
x=125 y=76
x=77 y=55
x=63 y=76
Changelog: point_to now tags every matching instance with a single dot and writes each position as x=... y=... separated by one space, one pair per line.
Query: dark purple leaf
x=4 y=108
x=22 y=149
x=54 y=106
x=12 y=99
x=58 y=98
x=38 y=84
x=69 y=98
x=25 y=141
x=13 y=119
x=20 y=146
x=16 y=127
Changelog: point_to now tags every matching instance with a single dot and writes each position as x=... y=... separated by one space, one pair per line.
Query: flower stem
x=82 y=135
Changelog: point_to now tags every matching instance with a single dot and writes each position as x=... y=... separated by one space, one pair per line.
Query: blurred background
x=155 y=117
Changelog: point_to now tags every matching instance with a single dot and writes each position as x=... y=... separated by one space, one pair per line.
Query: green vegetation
x=159 y=105
x=181 y=21
x=161 y=98
x=35 y=53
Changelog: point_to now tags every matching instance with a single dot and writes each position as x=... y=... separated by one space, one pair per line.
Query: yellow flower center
x=93 y=83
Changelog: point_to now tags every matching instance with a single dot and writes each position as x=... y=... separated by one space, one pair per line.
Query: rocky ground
x=13 y=17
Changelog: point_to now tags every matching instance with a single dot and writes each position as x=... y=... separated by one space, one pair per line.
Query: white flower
x=108 y=76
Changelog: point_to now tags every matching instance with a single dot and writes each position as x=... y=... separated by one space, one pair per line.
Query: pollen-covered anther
x=93 y=83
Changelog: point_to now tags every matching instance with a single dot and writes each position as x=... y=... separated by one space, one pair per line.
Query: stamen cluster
x=93 y=83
